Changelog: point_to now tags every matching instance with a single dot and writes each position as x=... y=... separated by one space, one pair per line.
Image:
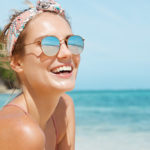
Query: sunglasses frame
x=60 y=41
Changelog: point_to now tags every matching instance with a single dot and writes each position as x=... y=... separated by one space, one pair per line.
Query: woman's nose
x=64 y=52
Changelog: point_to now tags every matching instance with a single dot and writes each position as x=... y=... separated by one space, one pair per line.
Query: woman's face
x=39 y=70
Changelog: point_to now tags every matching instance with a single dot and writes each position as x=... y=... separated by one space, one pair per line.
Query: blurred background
x=112 y=94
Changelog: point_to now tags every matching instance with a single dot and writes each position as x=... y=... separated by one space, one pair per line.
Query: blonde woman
x=45 y=55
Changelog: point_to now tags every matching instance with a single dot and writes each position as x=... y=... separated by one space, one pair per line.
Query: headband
x=21 y=20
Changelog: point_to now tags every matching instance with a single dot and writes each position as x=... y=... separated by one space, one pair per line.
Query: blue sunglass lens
x=76 y=44
x=50 y=45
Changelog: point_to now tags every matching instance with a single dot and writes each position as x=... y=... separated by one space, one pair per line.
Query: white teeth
x=64 y=68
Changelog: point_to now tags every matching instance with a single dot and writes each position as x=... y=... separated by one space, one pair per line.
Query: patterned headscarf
x=20 y=21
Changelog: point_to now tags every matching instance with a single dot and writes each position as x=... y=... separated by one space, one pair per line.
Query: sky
x=117 y=41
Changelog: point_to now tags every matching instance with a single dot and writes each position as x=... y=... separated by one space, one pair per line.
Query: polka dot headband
x=20 y=21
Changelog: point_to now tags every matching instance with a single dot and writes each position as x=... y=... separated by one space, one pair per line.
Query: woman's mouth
x=63 y=71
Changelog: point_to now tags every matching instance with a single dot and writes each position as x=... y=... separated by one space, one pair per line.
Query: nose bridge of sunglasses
x=64 y=46
x=62 y=41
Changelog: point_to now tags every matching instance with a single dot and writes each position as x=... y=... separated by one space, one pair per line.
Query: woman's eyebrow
x=41 y=37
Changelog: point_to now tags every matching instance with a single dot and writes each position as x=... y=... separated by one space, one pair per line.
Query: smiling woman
x=45 y=55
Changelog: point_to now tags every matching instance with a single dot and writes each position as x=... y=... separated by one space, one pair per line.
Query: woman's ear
x=16 y=64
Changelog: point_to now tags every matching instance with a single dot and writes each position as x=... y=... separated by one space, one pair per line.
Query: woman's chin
x=64 y=86
x=63 y=82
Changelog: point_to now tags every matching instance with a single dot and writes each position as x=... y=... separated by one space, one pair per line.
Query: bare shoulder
x=65 y=103
x=67 y=140
x=64 y=114
x=67 y=100
x=70 y=109
x=18 y=131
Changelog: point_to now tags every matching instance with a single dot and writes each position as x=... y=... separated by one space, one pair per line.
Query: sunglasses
x=50 y=45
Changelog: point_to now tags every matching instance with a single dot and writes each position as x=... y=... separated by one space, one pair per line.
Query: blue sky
x=117 y=46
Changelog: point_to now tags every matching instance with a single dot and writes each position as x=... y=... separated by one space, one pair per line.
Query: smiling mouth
x=62 y=70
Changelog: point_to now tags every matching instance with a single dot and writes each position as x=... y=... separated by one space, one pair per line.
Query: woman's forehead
x=47 y=24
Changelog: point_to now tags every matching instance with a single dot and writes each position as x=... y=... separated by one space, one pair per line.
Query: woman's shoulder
x=66 y=123
x=64 y=103
x=17 y=127
x=61 y=115
x=67 y=100
x=69 y=103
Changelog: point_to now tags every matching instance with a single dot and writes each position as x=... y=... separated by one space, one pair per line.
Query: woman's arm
x=68 y=141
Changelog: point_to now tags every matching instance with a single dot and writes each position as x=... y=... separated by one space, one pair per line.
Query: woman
x=45 y=55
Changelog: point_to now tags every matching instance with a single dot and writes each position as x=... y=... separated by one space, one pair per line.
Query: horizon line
x=78 y=90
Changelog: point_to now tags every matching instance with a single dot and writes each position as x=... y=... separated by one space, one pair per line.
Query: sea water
x=110 y=120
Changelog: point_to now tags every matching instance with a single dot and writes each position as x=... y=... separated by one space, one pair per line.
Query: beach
x=5 y=90
x=109 y=120
x=112 y=120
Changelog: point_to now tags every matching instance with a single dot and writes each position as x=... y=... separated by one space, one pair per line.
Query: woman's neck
x=41 y=105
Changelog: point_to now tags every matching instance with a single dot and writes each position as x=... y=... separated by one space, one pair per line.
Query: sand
x=4 y=90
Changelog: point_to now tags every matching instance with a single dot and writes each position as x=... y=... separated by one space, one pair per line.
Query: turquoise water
x=110 y=120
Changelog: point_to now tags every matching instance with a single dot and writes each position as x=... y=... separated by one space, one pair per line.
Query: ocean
x=110 y=120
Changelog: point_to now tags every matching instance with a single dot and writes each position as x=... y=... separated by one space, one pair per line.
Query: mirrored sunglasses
x=50 y=45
